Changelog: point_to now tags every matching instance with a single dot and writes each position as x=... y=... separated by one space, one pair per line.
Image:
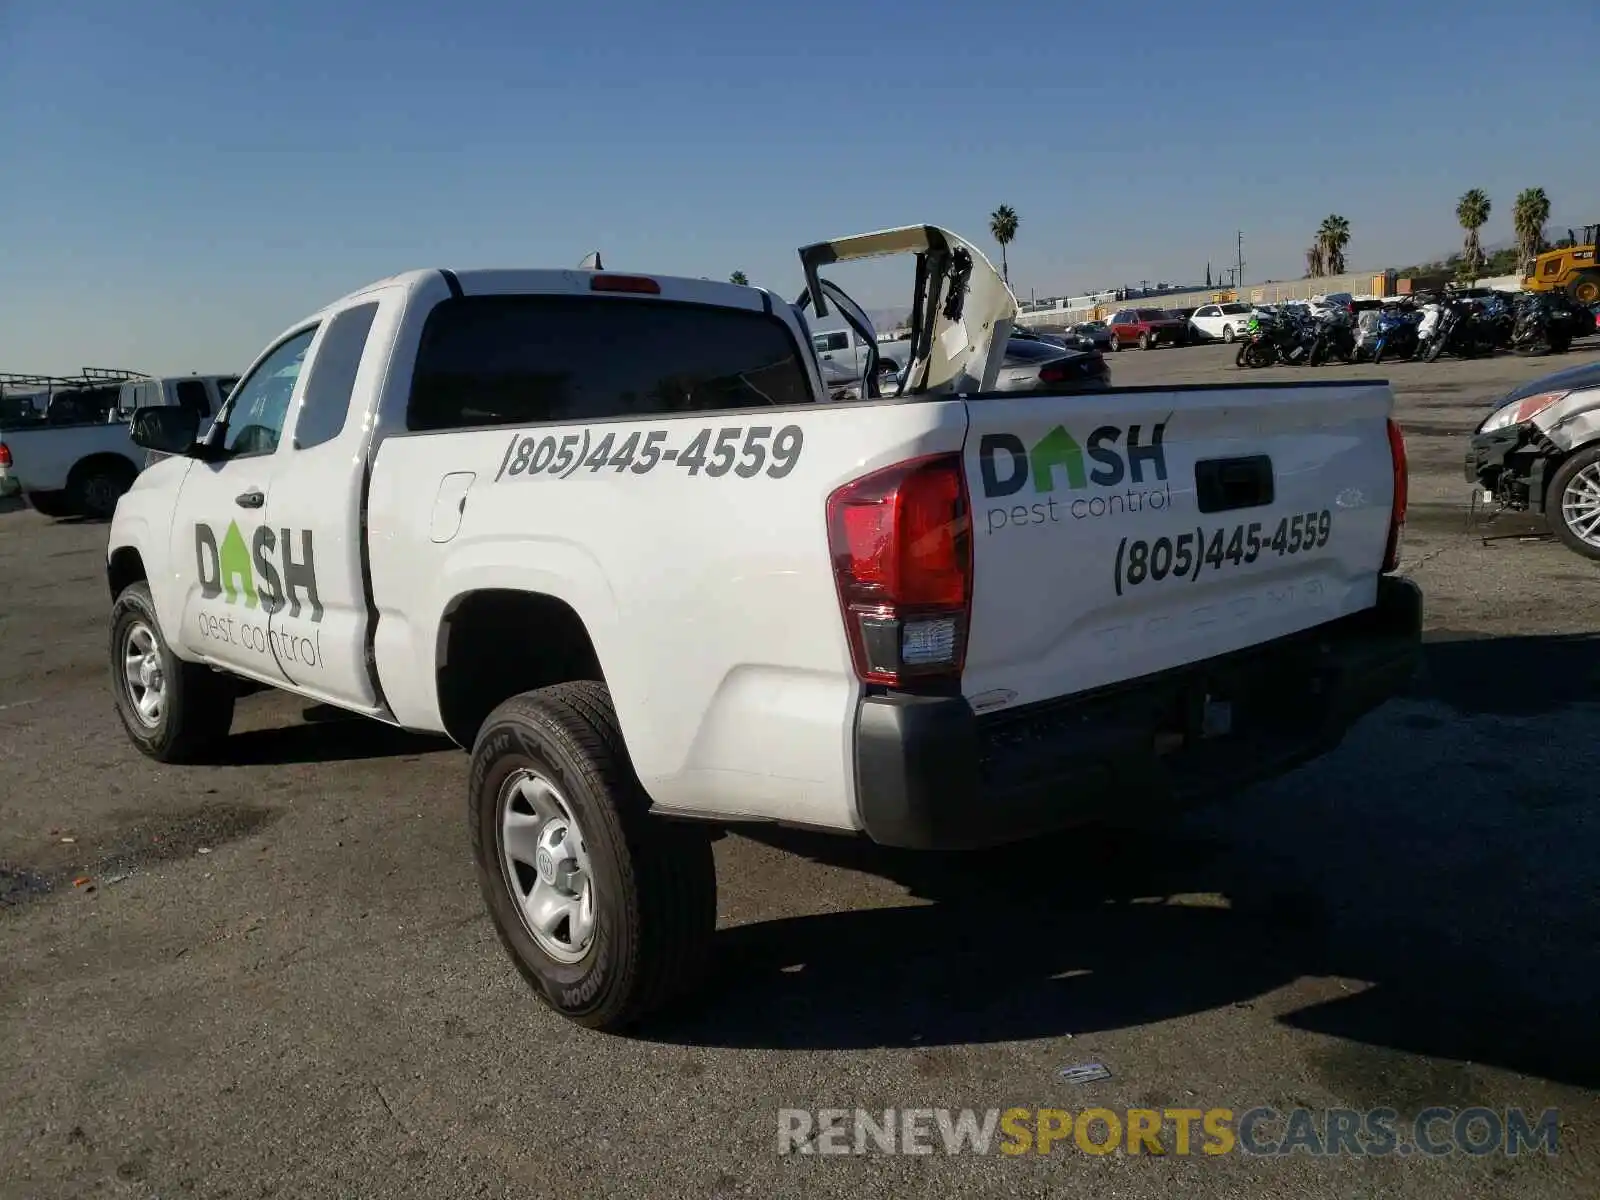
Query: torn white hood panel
x=962 y=310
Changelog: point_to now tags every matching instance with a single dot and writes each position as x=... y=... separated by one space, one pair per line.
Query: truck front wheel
x=171 y=709
x=606 y=910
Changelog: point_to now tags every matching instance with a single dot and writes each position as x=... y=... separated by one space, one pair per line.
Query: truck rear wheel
x=606 y=910
x=173 y=710
x=95 y=489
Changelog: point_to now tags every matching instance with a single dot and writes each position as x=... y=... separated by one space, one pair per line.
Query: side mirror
x=168 y=429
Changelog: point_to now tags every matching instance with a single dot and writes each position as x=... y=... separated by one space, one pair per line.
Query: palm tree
x=1530 y=213
x=1333 y=237
x=740 y=278
x=1314 y=260
x=1472 y=210
x=1003 y=224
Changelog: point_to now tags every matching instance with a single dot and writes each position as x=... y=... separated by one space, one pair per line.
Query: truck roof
x=511 y=281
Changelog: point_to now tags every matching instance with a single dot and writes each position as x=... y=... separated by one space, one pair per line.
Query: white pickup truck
x=80 y=469
x=659 y=590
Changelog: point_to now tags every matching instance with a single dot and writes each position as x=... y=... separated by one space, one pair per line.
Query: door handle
x=249 y=499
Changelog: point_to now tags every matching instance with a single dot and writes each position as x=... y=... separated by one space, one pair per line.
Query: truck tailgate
x=1127 y=532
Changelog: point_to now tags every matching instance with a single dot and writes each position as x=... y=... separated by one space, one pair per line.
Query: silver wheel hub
x=142 y=677
x=1580 y=505
x=545 y=865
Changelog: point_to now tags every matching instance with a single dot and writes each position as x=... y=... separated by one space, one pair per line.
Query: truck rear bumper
x=931 y=774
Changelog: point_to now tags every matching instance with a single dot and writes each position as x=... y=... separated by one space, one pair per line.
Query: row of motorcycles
x=1426 y=328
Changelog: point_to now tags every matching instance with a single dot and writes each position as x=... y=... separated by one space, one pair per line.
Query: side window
x=325 y=403
x=192 y=395
x=520 y=360
x=225 y=385
x=827 y=343
x=258 y=406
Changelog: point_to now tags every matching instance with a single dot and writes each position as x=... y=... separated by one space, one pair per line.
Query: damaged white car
x=1538 y=451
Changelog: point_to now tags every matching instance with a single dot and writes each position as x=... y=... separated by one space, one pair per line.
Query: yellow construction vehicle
x=1573 y=268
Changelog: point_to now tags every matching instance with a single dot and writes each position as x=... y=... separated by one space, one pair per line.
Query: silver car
x=1538 y=452
x=1038 y=366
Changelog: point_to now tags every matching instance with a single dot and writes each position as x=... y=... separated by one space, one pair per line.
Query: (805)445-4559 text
x=1142 y=561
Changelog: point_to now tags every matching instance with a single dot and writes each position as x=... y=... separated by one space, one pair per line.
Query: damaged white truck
x=666 y=590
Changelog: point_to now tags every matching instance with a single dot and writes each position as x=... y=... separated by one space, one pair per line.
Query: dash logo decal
x=1108 y=458
x=266 y=574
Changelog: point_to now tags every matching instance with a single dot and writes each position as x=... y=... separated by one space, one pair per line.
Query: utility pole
x=1240 y=245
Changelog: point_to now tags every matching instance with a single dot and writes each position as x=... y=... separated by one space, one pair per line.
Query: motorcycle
x=1396 y=336
x=1256 y=346
x=1457 y=330
x=1331 y=336
x=1496 y=321
x=1544 y=324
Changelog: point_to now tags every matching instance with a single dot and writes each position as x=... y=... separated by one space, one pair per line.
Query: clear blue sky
x=184 y=179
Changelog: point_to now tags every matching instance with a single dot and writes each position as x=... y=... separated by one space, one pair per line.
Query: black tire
x=1560 y=341
x=50 y=504
x=654 y=881
x=1316 y=356
x=1554 y=513
x=1227 y=335
x=1146 y=342
x=198 y=706
x=1435 y=349
x=1585 y=289
x=94 y=490
x=1116 y=342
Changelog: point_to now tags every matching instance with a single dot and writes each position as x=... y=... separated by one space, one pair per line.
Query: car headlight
x=1519 y=412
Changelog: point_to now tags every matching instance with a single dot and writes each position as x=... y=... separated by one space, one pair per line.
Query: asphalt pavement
x=273 y=976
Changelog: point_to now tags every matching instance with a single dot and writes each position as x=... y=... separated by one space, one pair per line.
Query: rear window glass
x=518 y=360
x=1031 y=351
x=1233 y=309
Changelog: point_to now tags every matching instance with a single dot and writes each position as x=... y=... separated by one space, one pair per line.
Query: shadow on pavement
x=1475 y=937
x=1510 y=676
x=328 y=735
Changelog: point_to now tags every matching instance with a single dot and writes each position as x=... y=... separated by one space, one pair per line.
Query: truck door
x=317 y=509
x=232 y=571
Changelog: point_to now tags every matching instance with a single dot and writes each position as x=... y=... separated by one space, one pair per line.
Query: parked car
x=1322 y=305
x=662 y=591
x=1036 y=365
x=80 y=469
x=1146 y=328
x=1221 y=322
x=1538 y=451
x=846 y=348
x=1041 y=336
x=1093 y=335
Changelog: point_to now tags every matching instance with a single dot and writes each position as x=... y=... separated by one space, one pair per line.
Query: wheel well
x=108 y=461
x=496 y=644
x=126 y=567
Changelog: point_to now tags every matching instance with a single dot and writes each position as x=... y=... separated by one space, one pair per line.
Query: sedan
x=1034 y=366
x=1092 y=335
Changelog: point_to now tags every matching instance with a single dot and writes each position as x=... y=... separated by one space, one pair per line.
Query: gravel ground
x=279 y=978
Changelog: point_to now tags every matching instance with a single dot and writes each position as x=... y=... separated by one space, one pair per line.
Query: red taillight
x=901 y=541
x=5 y=455
x=1397 y=509
x=639 y=285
